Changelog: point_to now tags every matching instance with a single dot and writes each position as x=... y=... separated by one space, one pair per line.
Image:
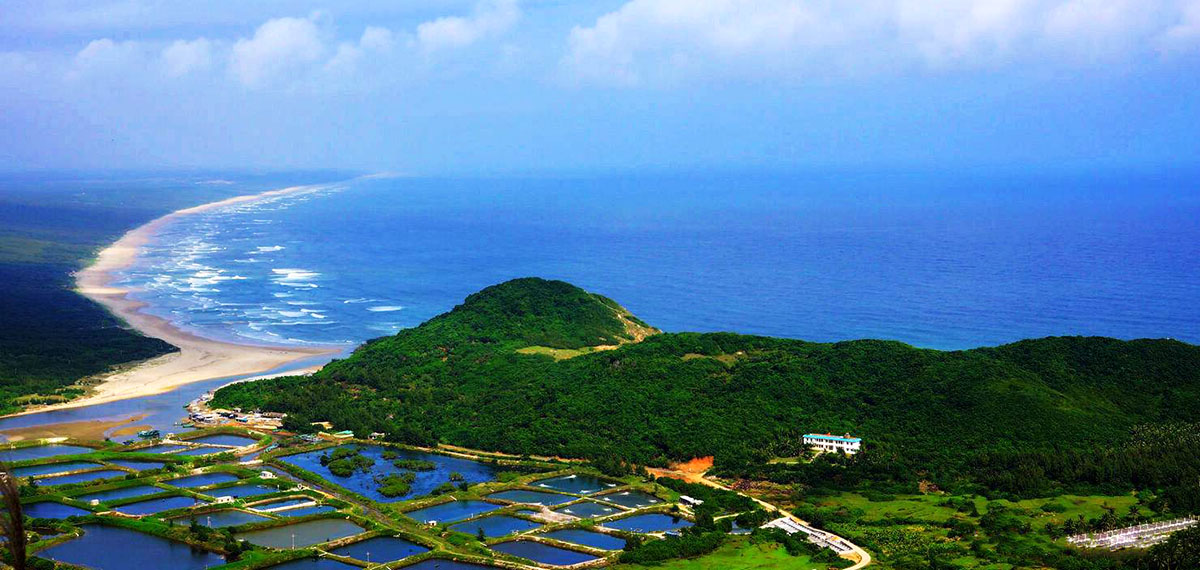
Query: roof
x=833 y=437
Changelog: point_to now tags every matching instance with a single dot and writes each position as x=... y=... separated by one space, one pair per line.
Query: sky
x=488 y=86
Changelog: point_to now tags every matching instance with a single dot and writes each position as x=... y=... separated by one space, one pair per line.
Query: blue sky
x=449 y=86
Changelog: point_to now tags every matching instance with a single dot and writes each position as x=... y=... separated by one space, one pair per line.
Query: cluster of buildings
x=199 y=414
x=1141 y=536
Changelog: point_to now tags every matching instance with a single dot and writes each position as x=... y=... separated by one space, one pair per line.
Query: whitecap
x=384 y=308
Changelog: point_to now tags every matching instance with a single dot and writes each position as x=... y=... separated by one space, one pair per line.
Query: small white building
x=828 y=442
x=690 y=501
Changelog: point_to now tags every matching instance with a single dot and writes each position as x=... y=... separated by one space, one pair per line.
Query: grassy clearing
x=737 y=555
x=562 y=353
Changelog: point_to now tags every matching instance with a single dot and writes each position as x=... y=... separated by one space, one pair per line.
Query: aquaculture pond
x=111 y=548
x=239 y=491
x=136 y=464
x=283 y=503
x=587 y=538
x=202 y=479
x=305 y=511
x=543 y=553
x=203 y=451
x=495 y=525
x=225 y=439
x=631 y=499
x=52 y=468
x=222 y=519
x=41 y=452
x=160 y=448
x=578 y=484
x=302 y=534
x=314 y=564
x=440 y=564
x=648 y=523
x=122 y=493
x=158 y=505
x=588 y=510
x=82 y=477
x=380 y=549
x=532 y=497
x=51 y=510
x=452 y=511
x=425 y=481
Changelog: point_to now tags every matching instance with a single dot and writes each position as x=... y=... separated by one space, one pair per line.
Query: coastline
x=198 y=358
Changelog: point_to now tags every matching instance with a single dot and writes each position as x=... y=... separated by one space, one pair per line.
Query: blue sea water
x=932 y=259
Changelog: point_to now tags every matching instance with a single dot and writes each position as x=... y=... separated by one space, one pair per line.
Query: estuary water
x=933 y=260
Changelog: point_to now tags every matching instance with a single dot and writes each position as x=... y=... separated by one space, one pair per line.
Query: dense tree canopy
x=1025 y=418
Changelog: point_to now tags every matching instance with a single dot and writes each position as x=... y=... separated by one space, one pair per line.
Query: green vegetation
x=739 y=554
x=345 y=461
x=395 y=484
x=1034 y=418
x=415 y=464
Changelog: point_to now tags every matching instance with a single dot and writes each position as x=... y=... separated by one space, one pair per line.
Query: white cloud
x=490 y=18
x=374 y=40
x=104 y=56
x=279 y=46
x=668 y=40
x=183 y=57
x=1184 y=36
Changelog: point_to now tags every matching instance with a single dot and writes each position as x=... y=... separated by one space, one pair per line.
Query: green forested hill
x=976 y=415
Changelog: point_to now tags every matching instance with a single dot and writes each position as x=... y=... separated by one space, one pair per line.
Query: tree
x=12 y=521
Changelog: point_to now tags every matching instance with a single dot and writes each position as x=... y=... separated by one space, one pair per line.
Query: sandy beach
x=198 y=358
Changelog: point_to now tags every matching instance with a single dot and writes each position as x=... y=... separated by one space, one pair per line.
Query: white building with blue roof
x=828 y=442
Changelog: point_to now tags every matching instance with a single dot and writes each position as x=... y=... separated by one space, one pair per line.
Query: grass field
x=739 y=554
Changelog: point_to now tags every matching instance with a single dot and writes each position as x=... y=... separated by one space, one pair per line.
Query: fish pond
x=158 y=505
x=495 y=525
x=136 y=464
x=41 y=452
x=648 y=523
x=587 y=538
x=631 y=499
x=283 y=503
x=380 y=549
x=314 y=564
x=578 y=484
x=202 y=451
x=160 y=448
x=52 y=510
x=543 y=553
x=52 y=468
x=81 y=477
x=122 y=493
x=239 y=491
x=440 y=564
x=222 y=519
x=588 y=510
x=225 y=439
x=301 y=534
x=202 y=479
x=452 y=511
x=305 y=511
x=111 y=548
x=423 y=483
x=532 y=497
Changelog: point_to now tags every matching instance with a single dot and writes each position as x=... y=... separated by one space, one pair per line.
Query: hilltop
x=1007 y=417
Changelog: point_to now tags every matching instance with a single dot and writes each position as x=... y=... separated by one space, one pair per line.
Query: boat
x=148 y=433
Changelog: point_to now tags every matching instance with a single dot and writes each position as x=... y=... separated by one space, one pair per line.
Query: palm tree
x=12 y=521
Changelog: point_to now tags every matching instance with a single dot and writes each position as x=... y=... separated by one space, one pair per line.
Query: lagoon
x=578 y=484
x=239 y=491
x=314 y=564
x=631 y=499
x=202 y=479
x=222 y=518
x=588 y=510
x=225 y=439
x=305 y=511
x=122 y=493
x=82 y=477
x=52 y=510
x=648 y=523
x=531 y=497
x=41 y=452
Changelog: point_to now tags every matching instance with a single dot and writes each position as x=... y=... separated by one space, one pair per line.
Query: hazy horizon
x=502 y=86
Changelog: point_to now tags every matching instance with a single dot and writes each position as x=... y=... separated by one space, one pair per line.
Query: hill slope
x=460 y=379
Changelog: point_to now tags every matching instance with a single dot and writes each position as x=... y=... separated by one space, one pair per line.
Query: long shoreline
x=198 y=358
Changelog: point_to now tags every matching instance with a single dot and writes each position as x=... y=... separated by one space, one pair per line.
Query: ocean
x=946 y=261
